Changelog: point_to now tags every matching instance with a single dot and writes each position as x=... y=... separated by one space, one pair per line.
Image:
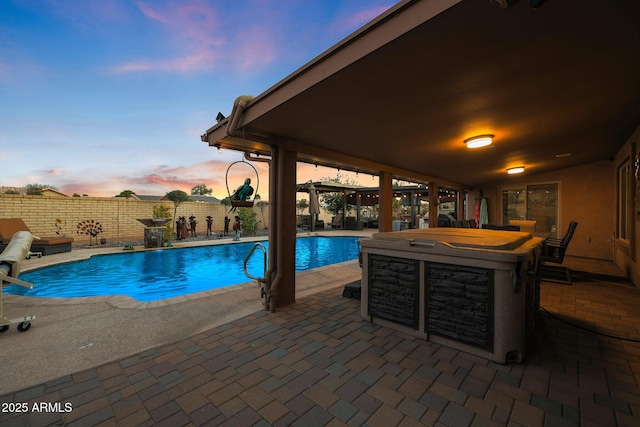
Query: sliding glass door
x=537 y=202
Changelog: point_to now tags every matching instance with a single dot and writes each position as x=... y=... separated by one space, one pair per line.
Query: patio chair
x=445 y=220
x=10 y=263
x=553 y=251
x=42 y=245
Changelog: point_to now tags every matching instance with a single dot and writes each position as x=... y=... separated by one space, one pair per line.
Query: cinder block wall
x=116 y=215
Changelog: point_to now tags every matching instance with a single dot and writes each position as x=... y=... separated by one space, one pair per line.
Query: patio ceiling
x=403 y=93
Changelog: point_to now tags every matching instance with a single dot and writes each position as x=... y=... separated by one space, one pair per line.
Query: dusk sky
x=101 y=96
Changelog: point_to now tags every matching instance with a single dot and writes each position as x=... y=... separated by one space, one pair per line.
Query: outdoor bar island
x=472 y=289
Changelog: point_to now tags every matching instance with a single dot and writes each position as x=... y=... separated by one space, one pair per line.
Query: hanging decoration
x=241 y=197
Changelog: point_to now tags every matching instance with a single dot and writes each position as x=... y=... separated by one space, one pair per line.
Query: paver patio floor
x=318 y=363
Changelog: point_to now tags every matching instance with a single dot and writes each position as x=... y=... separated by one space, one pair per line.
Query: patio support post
x=285 y=236
x=358 y=207
x=414 y=223
x=385 y=200
x=344 y=210
x=433 y=204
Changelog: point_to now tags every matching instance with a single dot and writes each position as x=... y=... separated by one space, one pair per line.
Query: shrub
x=248 y=221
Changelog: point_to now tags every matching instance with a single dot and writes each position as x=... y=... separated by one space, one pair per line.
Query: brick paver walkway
x=318 y=363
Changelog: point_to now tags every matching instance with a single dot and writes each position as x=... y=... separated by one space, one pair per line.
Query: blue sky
x=101 y=96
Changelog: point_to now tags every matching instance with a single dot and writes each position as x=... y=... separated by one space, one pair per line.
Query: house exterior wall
x=117 y=215
x=586 y=195
x=627 y=251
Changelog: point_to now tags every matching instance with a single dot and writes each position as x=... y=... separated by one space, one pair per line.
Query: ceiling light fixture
x=479 y=141
x=517 y=169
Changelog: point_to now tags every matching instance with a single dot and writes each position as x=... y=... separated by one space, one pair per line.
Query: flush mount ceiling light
x=479 y=141
x=517 y=169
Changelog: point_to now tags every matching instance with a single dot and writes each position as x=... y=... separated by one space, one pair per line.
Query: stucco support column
x=281 y=282
x=433 y=204
x=386 y=201
x=358 y=208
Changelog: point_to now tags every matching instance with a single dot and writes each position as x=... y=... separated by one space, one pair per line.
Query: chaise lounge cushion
x=46 y=245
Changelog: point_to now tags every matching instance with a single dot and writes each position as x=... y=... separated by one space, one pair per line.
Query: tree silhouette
x=201 y=190
x=36 y=189
x=126 y=194
x=177 y=197
x=302 y=205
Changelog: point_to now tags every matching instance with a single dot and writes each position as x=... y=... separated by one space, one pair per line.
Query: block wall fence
x=117 y=215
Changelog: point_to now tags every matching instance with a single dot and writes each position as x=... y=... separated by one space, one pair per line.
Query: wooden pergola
x=410 y=195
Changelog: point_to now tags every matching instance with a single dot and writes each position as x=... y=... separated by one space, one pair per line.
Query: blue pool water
x=166 y=273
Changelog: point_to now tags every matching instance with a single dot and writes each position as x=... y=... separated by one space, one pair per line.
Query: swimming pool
x=165 y=273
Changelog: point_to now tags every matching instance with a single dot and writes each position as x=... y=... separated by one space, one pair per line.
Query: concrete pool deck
x=71 y=334
x=317 y=363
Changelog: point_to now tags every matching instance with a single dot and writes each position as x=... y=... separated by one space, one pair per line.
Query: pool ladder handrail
x=246 y=260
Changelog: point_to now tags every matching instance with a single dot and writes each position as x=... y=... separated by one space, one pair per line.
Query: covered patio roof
x=558 y=86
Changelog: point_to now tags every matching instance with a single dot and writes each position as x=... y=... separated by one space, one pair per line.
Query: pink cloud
x=202 y=61
x=190 y=27
x=351 y=22
x=255 y=48
x=199 y=42
x=163 y=179
x=192 y=20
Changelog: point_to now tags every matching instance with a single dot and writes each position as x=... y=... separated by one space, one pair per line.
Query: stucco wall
x=586 y=195
x=117 y=215
x=627 y=251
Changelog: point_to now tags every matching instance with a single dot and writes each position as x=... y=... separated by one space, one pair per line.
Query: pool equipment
x=10 y=262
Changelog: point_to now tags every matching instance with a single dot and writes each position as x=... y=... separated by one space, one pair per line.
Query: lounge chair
x=43 y=245
x=553 y=251
x=10 y=263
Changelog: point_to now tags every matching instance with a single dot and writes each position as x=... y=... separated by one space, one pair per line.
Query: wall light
x=517 y=169
x=479 y=141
